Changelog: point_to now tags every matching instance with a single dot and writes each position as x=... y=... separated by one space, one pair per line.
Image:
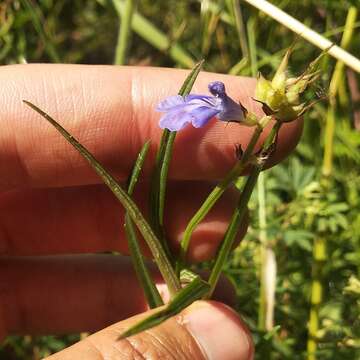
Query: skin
x=53 y=204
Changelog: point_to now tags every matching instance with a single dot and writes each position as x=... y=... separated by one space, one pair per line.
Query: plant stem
x=240 y=211
x=124 y=33
x=214 y=196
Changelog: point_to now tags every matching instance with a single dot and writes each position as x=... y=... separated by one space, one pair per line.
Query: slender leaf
x=159 y=181
x=153 y=242
x=147 y=284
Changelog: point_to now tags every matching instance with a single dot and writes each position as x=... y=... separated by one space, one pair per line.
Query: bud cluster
x=281 y=97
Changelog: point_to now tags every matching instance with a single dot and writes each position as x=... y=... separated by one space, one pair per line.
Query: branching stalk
x=240 y=211
x=215 y=195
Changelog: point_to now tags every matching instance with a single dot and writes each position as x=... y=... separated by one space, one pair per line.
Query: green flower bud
x=263 y=86
x=250 y=119
x=282 y=95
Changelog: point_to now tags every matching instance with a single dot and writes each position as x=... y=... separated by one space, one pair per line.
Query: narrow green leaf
x=153 y=242
x=147 y=284
x=166 y=157
x=163 y=157
x=190 y=80
x=196 y=289
x=151 y=292
x=134 y=177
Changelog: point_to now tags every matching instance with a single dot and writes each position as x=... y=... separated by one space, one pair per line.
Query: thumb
x=204 y=330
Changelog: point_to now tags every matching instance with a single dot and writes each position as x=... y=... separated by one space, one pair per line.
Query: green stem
x=152 y=241
x=214 y=196
x=124 y=33
x=240 y=211
x=233 y=228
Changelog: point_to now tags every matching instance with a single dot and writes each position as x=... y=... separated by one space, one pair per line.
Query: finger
x=89 y=219
x=205 y=330
x=71 y=294
x=111 y=111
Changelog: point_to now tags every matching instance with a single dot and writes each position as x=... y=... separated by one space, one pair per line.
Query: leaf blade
x=160 y=257
x=143 y=275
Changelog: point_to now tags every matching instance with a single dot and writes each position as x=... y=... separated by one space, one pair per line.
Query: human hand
x=51 y=203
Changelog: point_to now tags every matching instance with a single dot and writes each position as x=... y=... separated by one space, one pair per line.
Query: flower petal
x=191 y=97
x=231 y=111
x=175 y=120
x=202 y=115
x=170 y=103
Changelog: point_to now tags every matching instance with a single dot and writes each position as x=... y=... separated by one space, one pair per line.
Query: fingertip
x=219 y=331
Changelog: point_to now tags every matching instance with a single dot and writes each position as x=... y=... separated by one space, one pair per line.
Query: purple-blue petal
x=201 y=115
x=170 y=103
x=175 y=120
x=198 y=109
x=197 y=97
x=231 y=111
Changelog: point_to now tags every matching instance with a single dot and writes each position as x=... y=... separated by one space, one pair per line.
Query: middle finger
x=89 y=219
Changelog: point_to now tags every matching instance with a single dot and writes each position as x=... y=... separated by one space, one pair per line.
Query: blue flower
x=199 y=109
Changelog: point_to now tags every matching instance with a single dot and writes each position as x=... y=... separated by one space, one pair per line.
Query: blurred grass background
x=306 y=219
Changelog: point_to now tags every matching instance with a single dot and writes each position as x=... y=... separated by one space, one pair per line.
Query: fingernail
x=219 y=332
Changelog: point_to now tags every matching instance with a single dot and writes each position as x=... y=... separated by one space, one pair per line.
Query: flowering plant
x=281 y=102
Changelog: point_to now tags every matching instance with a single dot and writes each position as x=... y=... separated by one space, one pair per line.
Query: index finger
x=110 y=110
